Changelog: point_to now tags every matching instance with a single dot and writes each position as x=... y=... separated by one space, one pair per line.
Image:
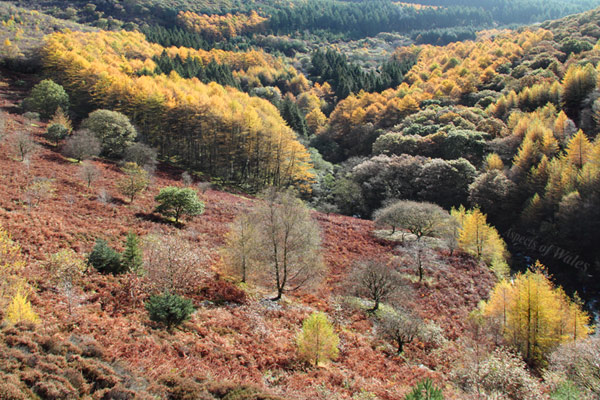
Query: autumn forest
x=303 y=199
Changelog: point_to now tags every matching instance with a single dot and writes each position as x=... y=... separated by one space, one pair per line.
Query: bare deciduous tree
x=23 y=145
x=240 y=249
x=38 y=190
x=81 y=145
x=187 y=179
x=399 y=326
x=66 y=269
x=204 y=186
x=89 y=173
x=172 y=263
x=450 y=233
x=374 y=280
x=420 y=219
x=288 y=242
x=134 y=181
x=142 y=155
x=421 y=252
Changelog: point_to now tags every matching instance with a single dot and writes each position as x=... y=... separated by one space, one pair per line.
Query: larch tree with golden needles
x=578 y=83
x=209 y=127
x=317 y=342
x=579 y=149
x=535 y=317
x=477 y=237
x=13 y=287
x=20 y=310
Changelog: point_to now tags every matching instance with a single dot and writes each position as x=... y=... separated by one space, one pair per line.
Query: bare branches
x=374 y=280
x=173 y=263
x=277 y=243
x=400 y=326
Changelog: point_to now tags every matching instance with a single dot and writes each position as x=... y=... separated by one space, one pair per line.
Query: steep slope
x=231 y=337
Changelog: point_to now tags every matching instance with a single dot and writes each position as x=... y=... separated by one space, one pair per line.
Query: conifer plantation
x=310 y=199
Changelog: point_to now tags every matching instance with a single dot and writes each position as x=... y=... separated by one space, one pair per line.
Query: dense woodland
x=317 y=199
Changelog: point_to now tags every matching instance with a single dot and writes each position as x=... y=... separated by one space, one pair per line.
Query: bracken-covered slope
x=108 y=348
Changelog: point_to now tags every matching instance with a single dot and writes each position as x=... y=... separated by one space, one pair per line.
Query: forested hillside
x=320 y=199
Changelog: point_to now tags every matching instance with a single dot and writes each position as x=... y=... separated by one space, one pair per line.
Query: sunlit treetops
x=448 y=72
x=219 y=27
x=535 y=316
x=210 y=127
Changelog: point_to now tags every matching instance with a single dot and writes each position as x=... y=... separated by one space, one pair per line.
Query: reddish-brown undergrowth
x=233 y=338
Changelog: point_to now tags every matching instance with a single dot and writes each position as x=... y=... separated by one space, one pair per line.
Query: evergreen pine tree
x=132 y=256
x=105 y=259
x=169 y=309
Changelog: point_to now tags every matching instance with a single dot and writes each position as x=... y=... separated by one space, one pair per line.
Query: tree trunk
x=400 y=346
x=279 y=295
x=419 y=265
x=375 y=307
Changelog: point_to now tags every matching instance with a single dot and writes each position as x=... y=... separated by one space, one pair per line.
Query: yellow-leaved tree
x=317 y=341
x=212 y=128
x=579 y=149
x=535 y=317
x=480 y=239
x=13 y=287
x=20 y=310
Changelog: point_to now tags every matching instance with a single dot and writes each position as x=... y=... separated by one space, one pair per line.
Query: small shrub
x=169 y=309
x=56 y=132
x=425 y=390
x=105 y=259
x=32 y=116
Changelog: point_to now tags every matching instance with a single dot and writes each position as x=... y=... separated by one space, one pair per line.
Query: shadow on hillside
x=151 y=217
x=55 y=157
x=13 y=93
